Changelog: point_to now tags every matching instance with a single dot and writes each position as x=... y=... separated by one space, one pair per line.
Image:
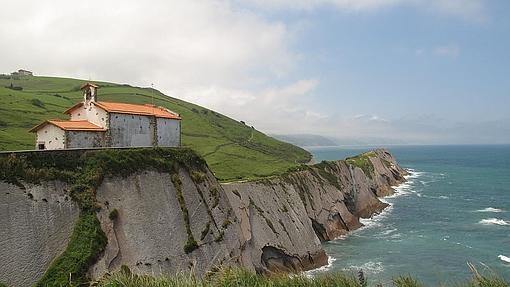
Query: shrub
x=197 y=176
x=37 y=103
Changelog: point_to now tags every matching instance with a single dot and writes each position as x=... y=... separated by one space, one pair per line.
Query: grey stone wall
x=130 y=130
x=84 y=139
x=36 y=222
x=169 y=132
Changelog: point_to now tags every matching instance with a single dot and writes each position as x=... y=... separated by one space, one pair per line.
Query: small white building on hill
x=105 y=124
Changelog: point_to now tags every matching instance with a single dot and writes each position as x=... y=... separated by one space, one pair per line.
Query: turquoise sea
x=454 y=209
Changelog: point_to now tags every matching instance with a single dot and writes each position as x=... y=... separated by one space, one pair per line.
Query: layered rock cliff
x=162 y=211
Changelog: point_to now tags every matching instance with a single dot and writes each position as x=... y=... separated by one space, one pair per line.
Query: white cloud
x=209 y=52
x=169 y=43
x=277 y=110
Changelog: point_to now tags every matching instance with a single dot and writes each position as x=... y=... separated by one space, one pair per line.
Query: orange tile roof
x=123 y=108
x=81 y=125
x=151 y=110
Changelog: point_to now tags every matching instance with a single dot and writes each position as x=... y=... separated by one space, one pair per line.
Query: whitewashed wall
x=52 y=137
x=92 y=114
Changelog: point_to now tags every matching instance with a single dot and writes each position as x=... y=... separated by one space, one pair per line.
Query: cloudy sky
x=418 y=71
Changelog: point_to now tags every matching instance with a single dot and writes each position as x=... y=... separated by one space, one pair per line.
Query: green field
x=232 y=150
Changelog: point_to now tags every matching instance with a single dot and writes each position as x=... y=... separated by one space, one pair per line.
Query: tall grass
x=242 y=278
x=229 y=278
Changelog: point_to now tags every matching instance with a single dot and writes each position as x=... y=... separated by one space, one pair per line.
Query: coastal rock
x=147 y=230
x=185 y=220
x=36 y=222
x=277 y=234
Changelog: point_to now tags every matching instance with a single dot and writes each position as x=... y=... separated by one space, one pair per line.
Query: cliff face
x=284 y=218
x=36 y=222
x=167 y=215
x=144 y=219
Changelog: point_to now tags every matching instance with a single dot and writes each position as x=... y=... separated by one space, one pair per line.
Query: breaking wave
x=494 y=221
x=313 y=272
x=490 y=209
x=504 y=258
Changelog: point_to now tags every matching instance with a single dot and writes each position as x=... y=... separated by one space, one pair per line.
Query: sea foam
x=504 y=258
x=490 y=209
x=313 y=272
x=494 y=221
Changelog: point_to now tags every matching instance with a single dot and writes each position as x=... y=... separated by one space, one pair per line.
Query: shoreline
x=369 y=222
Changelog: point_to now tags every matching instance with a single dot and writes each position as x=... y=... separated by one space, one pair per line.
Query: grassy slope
x=231 y=149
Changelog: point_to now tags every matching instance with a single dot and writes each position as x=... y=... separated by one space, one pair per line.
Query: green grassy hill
x=231 y=149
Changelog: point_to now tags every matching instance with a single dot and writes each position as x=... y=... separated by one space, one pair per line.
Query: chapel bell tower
x=89 y=93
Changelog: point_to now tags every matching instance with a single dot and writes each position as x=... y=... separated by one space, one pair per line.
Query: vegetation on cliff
x=232 y=149
x=363 y=161
x=85 y=171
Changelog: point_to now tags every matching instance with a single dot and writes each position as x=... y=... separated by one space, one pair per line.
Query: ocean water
x=454 y=209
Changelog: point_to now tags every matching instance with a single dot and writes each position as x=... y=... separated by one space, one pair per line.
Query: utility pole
x=152 y=93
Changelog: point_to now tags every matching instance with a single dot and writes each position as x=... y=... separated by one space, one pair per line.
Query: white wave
x=375 y=219
x=369 y=267
x=313 y=272
x=494 y=221
x=490 y=209
x=400 y=190
x=504 y=258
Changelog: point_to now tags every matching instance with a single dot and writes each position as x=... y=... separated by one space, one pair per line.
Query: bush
x=37 y=103
x=197 y=176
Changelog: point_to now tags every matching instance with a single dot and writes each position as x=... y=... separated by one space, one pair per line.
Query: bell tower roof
x=86 y=85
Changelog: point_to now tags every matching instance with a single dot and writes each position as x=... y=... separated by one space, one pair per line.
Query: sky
x=409 y=71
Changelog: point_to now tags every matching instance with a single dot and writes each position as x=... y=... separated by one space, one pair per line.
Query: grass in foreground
x=228 y=277
x=239 y=277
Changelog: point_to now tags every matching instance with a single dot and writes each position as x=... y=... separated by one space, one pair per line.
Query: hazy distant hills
x=308 y=140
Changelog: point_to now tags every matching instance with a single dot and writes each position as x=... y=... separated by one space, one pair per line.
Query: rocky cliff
x=162 y=211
